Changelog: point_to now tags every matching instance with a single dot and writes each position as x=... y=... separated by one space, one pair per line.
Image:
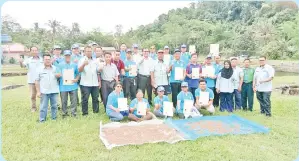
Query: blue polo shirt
x=217 y=67
x=185 y=57
x=211 y=82
x=123 y=55
x=57 y=60
x=128 y=63
x=175 y=64
x=181 y=97
x=193 y=83
x=61 y=67
x=134 y=103
x=113 y=101
x=159 y=101
x=76 y=57
x=211 y=94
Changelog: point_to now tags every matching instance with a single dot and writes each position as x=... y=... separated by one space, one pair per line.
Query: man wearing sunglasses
x=262 y=85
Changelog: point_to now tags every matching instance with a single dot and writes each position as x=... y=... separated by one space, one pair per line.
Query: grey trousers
x=73 y=99
x=106 y=89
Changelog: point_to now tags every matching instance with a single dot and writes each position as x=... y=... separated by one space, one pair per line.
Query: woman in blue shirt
x=112 y=104
x=133 y=116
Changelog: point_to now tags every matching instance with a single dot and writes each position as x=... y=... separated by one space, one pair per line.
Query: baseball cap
x=129 y=50
x=74 y=46
x=177 y=50
x=184 y=84
x=67 y=52
x=135 y=46
x=160 y=89
x=94 y=43
x=183 y=46
x=160 y=51
x=56 y=47
x=209 y=57
x=166 y=47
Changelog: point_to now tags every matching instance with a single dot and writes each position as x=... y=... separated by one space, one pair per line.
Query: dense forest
x=254 y=28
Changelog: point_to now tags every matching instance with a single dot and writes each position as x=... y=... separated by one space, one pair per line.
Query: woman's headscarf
x=227 y=72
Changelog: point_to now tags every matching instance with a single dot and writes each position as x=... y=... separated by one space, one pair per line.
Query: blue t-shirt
x=193 y=83
x=123 y=55
x=128 y=63
x=211 y=82
x=76 y=57
x=153 y=56
x=57 y=60
x=176 y=64
x=185 y=57
x=181 y=97
x=113 y=101
x=61 y=67
x=217 y=67
x=94 y=55
x=211 y=93
x=134 y=104
x=159 y=101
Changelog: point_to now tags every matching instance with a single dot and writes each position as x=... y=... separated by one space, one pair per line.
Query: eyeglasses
x=119 y=86
x=261 y=60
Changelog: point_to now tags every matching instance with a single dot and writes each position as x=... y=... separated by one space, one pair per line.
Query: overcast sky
x=89 y=15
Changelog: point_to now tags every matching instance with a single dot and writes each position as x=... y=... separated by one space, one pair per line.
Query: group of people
x=128 y=73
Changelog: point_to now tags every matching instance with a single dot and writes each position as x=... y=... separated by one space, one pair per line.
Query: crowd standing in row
x=128 y=74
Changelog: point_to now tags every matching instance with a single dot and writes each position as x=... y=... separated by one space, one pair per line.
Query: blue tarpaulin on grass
x=196 y=127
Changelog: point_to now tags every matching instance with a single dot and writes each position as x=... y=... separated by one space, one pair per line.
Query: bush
x=12 y=60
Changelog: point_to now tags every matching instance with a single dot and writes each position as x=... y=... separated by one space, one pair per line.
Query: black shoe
x=268 y=115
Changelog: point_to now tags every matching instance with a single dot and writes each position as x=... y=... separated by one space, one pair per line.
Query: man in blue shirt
x=68 y=87
x=76 y=56
x=204 y=105
x=158 y=101
x=130 y=79
x=211 y=78
x=57 y=58
x=185 y=56
x=218 y=66
x=123 y=52
x=175 y=81
x=153 y=53
x=94 y=45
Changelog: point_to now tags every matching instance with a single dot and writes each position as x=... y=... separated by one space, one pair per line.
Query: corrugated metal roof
x=13 y=48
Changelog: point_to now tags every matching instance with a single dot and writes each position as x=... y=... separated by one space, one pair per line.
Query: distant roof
x=13 y=48
x=6 y=38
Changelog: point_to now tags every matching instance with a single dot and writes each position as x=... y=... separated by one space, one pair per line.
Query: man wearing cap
x=200 y=105
x=144 y=76
x=218 y=68
x=57 y=58
x=181 y=98
x=32 y=63
x=159 y=73
x=210 y=78
x=119 y=64
x=93 y=45
x=123 y=52
x=109 y=75
x=185 y=56
x=152 y=52
x=68 y=87
x=158 y=101
x=137 y=57
x=167 y=58
x=130 y=79
x=175 y=82
x=238 y=81
x=89 y=82
x=76 y=56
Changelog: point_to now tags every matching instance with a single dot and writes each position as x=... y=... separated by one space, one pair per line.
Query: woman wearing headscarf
x=224 y=86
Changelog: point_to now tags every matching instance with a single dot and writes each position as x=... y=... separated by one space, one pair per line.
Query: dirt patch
x=140 y=134
x=11 y=87
x=13 y=74
x=209 y=126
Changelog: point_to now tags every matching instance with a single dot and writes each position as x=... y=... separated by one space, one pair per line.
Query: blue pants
x=237 y=103
x=44 y=101
x=226 y=102
x=115 y=116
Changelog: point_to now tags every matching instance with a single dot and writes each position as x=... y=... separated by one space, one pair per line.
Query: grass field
x=23 y=138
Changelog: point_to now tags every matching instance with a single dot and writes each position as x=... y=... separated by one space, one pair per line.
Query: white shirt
x=137 y=57
x=261 y=74
x=32 y=66
x=238 y=72
x=89 y=75
x=160 y=73
x=146 y=66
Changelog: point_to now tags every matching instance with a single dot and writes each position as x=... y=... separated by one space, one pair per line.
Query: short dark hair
x=118 y=83
x=33 y=47
x=117 y=51
x=122 y=44
x=98 y=47
x=194 y=54
x=263 y=56
x=44 y=55
x=202 y=80
x=87 y=47
x=107 y=53
x=144 y=49
x=234 y=58
x=246 y=59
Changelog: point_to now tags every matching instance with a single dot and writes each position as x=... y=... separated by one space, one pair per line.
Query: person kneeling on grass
x=134 y=116
x=112 y=104
x=208 y=105
x=159 y=102
x=182 y=97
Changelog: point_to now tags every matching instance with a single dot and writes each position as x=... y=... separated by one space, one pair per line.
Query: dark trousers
x=265 y=102
x=107 y=88
x=130 y=87
x=226 y=102
x=94 y=92
x=247 y=94
x=176 y=88
x=144 y=82
x=192 y=90
x=216 y=98
x=73 y=98
x=237 y=103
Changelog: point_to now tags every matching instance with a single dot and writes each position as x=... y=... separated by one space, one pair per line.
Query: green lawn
x=24 y=138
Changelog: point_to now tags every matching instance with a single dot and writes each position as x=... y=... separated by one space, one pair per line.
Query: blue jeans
x=44 y=101
x=226 y=102
x=237 y=103
x=115 y=116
